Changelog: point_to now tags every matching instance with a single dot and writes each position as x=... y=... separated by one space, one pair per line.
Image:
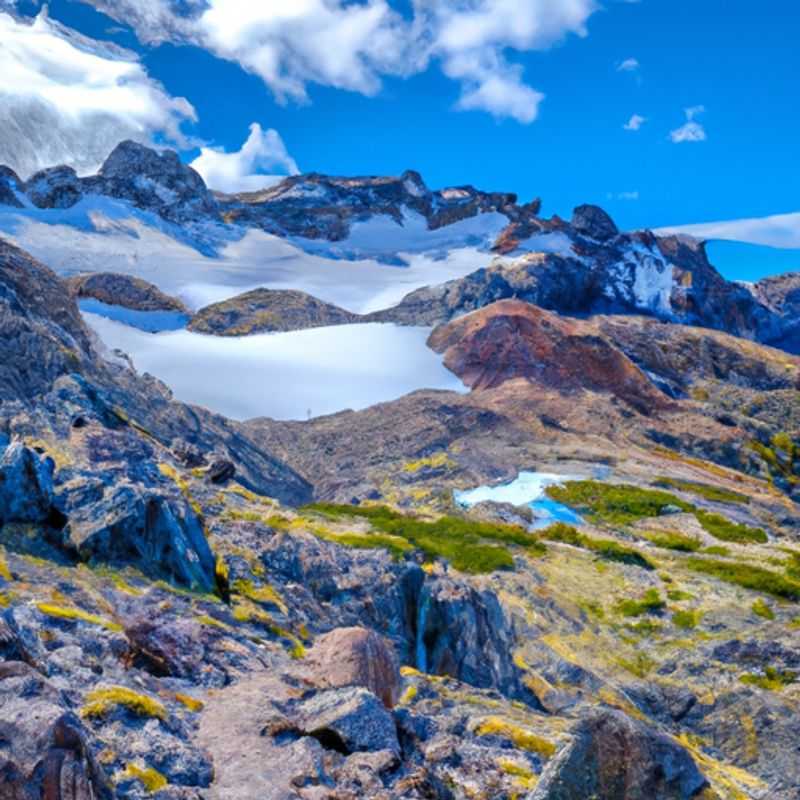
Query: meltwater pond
x=527 y=490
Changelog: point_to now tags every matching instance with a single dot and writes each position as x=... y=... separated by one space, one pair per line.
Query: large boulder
x=348 y=720
x=614 y=757
x=26 y=485
x=128 y=524
x=592 y=221
x=123 y=290
x=356 y=657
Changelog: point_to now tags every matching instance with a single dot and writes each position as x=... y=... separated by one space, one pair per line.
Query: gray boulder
x=348 y=720
x=594 y=222
x=614 y=757
x=26 y=485
x=55 y=187
x=161 y=536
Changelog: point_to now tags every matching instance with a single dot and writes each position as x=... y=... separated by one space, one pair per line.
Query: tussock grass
x=607 y=549
x=748 y=577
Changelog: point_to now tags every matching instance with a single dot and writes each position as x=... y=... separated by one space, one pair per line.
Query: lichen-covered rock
x=265 y=310
x=614 y=757
x=123 y=290
x=129 y=525
x=356 y=657
x=26 y=485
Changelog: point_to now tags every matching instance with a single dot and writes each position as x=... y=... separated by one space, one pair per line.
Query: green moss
x=686 y=619
x=521 y=739
x=670 y=540
x=727 y=531
x=715 y=494
x=717 y=550
x=101 y=702
x=605 y=548
x=436 y=461
x=640 y=666
x=259 y=594
x=650 y=603
x=772 y=679
x=76 y=615
x=194 y=705
x=617 y=504
x=470 y=546
x=762 y=609
x=748 y=577
x=677 y=595
x=152 y=780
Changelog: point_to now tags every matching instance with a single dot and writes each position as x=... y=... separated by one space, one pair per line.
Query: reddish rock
x=511 y=339
x=356 y=657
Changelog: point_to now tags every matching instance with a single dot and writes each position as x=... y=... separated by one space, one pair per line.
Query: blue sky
x=736 y=61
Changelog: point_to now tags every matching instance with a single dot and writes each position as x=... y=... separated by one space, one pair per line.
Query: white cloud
x=623 y=195
x=353 y=46
x=65 y=98
x=692 y=130
x=628 y=65
x=251 y=168
x=779 y=230
x=635 y=122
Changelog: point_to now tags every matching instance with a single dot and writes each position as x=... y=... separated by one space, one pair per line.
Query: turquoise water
x=738 y=261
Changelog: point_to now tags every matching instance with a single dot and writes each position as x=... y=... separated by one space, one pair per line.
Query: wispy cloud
x=629 y=65
x=634 y=195
x=691 y=130
x=635 y=122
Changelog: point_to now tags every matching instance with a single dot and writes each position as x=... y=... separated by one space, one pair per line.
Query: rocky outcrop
x=26 y=486
x=266 y=310
x=123 y=290
x=617 y=758
x=593 y=222
x=510 y=339
x=781 y=293
x=130 y=525
x=317 y=206
x=10 y=184
x=54 y=187
x=356 y=657
x=42 y=335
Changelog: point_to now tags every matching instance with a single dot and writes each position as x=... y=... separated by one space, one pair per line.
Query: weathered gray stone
x=26 y=485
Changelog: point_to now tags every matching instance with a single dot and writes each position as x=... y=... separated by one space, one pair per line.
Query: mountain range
x=569 y=570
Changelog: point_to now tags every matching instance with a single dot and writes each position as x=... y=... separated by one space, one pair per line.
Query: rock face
x=615 y=758
x=54 y=187
x=593 y=222
x=323 y=207
x=129 y=525
x=356 y=657
x=123 y=290
x=510 y=339
x=781 y=293
x=26 y=486
x=264 y=310
x=668 y=278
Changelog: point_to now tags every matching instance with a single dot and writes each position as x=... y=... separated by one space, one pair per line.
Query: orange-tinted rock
x=511 y=339
x=356 y=657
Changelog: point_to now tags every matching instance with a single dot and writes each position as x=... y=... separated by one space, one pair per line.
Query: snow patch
x=285 y=375
x=149 y=321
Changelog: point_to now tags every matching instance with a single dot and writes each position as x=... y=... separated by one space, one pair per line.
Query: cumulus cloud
x=691 y=130
x=635 y=122
x=262 y=161
x=353 y=46
x=65 y=98
x=628 y=65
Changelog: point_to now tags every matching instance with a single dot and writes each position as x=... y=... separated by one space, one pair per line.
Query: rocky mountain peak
x=592 y=221
x=54 y=187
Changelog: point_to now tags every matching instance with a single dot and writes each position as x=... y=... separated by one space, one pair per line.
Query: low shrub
x=686 y=619
x=618 y=504
x=76 y=615
x=671 y=540
x=762 y=609
x=772 y=680
x=521 y=739
x=605 y=548
x=748 y=577
x=727 y=531
x=101 y=702
x=716 y=494
x=650 y=603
